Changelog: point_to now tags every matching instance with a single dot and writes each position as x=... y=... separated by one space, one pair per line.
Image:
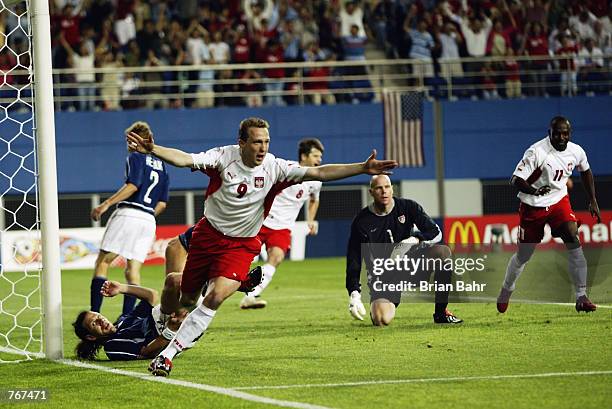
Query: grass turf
x=306 y=336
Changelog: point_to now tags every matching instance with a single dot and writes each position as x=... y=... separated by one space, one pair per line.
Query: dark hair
x=306 y=146
x=87 y=349
x=245 y=124
x=558 y=119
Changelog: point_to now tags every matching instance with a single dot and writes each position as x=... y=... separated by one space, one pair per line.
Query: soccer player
x=131 y=228
x=391 y=219
x=244 y=179
x=276 y=230
x=134 y=335
x=541 y=178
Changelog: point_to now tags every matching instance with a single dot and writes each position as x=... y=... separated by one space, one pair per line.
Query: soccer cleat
x=503 y=299
x=446 y=318
x=251 y=303
x=584 y=304
x=160 y=366
x=254 y=278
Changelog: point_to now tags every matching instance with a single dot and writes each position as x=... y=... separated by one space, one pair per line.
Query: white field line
x=203 y=387
x=425 y=380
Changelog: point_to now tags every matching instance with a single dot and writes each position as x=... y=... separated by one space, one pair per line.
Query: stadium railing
x=312 y=82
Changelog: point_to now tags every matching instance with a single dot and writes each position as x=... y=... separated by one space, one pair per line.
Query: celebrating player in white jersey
x=541 y=178
x=276 y=230
x=245 y=178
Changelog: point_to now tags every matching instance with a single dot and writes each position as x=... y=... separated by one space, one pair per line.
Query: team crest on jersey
x=401 y=219
x=259 y=182
x=570 y=166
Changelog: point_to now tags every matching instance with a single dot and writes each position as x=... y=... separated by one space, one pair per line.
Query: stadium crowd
x=135 y=33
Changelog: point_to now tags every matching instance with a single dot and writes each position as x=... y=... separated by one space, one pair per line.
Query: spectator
x=142 y=13
x=133 y=57
x=351 y=14
x=219 y=49
x=499 y=40
x=256 y=11
x=186 y=10
x=384 y=24
x=149 y=38
x=354 y=45
x=536 y=45
x=125 y=26
x=291 y=42
x=475 y=32
x=562 y=28
x=536 y=11
x=110 y=84
x=241 y=47
x=582 y=24
x=422 y=43
x=274 y=54
x=307 y=27
x=82 y=61
x=513 y=76
x=450 y=40
x=590 y=63
x=198 y=53
x=487 y=77
x=314 y=54
x=250 y=83
x=568 y=52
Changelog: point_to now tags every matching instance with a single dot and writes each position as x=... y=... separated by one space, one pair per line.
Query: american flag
x=403 y=113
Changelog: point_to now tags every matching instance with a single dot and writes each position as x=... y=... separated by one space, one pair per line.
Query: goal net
x=21 y=324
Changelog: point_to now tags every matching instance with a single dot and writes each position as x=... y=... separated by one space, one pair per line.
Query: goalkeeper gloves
x=356 y=307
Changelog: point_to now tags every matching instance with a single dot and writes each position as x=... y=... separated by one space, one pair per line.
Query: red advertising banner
x=503 y=228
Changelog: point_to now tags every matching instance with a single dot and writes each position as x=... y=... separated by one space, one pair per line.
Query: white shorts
x=129 y=233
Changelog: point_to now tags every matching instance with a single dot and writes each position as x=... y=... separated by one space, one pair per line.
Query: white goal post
x=29 y=299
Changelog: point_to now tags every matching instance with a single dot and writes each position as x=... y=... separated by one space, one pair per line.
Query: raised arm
x=173 y=156
x=371 y=166
x=113 y=288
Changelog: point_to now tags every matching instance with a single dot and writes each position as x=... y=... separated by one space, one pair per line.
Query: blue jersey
x=135 y=330
x=150 y=176
x=185 y=237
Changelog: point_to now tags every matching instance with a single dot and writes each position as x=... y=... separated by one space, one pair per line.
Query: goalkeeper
x=390 y=220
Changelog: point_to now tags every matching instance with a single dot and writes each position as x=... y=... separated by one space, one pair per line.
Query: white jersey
x=288 y=203
x=543 y=165
x=238 y=197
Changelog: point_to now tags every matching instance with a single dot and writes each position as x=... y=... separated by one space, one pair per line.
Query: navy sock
x=129 y=301
x=95 y=297
x=440 y=308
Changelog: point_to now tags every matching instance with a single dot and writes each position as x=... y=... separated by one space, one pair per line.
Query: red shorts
x=533 y=219
x=212 y=254
x=275 y=238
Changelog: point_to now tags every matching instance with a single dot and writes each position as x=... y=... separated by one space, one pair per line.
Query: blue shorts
x=185 y=237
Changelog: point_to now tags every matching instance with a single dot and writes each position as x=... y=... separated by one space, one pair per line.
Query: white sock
x=513 y=271
x=578 y=270
x=268 y=272
x=191 y=329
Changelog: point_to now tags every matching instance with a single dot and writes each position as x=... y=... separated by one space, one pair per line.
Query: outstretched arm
x=173 y=156
x=371 y=166
x=123 y=193
x=113 y=288
x=589 y=186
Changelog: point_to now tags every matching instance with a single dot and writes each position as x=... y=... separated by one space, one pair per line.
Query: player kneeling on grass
x=541 y=178
x=390 y=220
x=135 y=335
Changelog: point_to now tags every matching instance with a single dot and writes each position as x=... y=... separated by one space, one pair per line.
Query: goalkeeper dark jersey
x=397 y=225
x=135 y=330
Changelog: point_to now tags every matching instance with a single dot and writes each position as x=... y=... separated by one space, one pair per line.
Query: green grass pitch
x=306 y=337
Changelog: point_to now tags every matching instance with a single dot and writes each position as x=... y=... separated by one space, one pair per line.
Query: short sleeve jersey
x=135 y=330
x=288 y=203
x=150 y=176
x=543 y=165
x=238 y=198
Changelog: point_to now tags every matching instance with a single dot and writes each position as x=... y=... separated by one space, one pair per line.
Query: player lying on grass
x=245 y=178
x=541 y=178
x=135 y=335
x=391 y=219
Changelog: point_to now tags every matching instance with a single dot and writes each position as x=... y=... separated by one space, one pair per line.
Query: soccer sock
x=268 y=271
x=190 y=331
x=441 y=298
x=95 y=298
x=578 y=270
x=513 y=271
x=129 y=301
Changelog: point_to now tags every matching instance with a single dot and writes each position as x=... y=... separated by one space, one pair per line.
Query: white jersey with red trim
x=543 y=165
x=288 y=203
x=238 y=198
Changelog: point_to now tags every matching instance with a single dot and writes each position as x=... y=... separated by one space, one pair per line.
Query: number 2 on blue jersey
x=155 y=178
